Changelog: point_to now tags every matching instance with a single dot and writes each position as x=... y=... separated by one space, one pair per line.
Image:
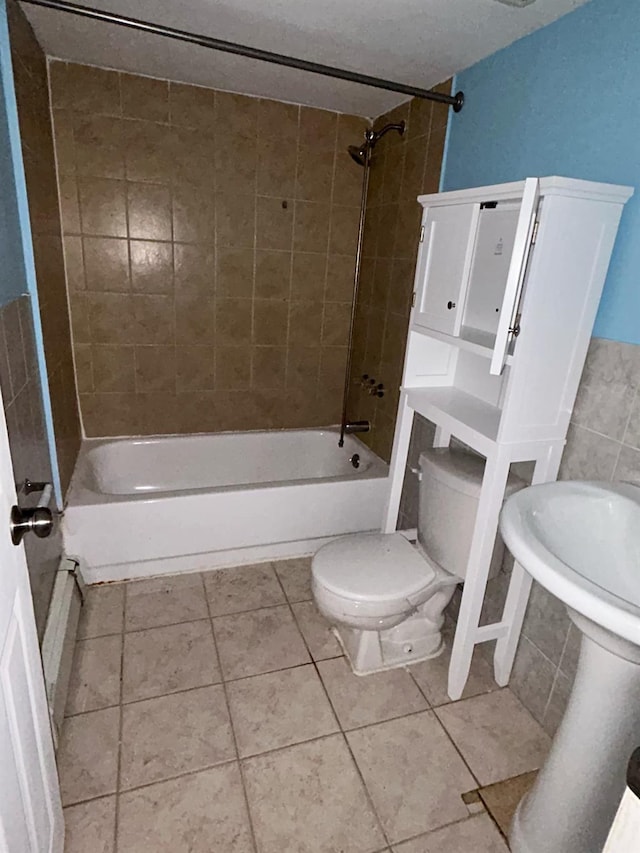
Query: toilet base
x=413 y=640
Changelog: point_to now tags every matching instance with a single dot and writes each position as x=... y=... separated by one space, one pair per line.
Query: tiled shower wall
x=603 y=443
x=402 y=168
x=30 y=76
x=210 y=243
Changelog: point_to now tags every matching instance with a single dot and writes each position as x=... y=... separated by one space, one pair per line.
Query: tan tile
x=362 y=700
x=305 y=323
x=158 y=413
x=295 y=577
x=194 y=152
x=165 y=660
x=88 y=755
x=110 y=317
x=432 y=676
x=103 y=207
x=242 y=588
x=192 y=106
x=268 y=367
x=63 y=137
x=144 y=97
x=347 y=177
x=164 y=601
x=233 y=322
x=309 y=275
x=238 y=114
x=235 y=220
x=149 y=153
x=314 y=173
x=195 y=368
x=311 y=233
x=235 y=273
x=273 y=275
x=74 y=263
x=99 y=149
x=344 y=230
x=277 y=121
x=155 y=369
x=309 y=797
x=236 y=163
x=316 y=631
x=90 y=826
x=274 y=224
x=203 y=813
x=151 y=266
x=233 y=368
x=85 y=87
x=106 y=264
x=335 y=324
x=477 y=833
x=511 y=742
x=193 y=215
x=69 y=204
x=318 y=128
x=195 y=319
x=113 y=368
x=270 y=321
x=278 y=709
x=333 y=361
x=149 y=211
x=83 y=368
x=194 y=270
x=303 y=365
x=276 y=167
x=175 y=734
x=109 y=414
x=259 y=641
x=413 y=172
x=413 y=773
x=153 y=318
x=95 y=676
x=502 y=798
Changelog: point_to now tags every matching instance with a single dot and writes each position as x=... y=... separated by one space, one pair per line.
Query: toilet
x=384 y=596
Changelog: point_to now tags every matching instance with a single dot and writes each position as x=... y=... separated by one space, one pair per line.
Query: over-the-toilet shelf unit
x=508 y=280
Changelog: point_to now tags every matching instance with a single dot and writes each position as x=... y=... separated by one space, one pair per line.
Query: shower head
x=371 y=137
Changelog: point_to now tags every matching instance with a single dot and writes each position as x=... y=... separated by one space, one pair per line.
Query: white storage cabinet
x=508 y=281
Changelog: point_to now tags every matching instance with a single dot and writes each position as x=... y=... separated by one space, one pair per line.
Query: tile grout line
x=231 y=725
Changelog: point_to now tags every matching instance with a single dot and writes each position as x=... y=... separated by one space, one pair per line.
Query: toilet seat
x=374 y=568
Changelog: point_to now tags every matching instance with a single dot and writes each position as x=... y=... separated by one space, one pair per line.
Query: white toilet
x=386 y=597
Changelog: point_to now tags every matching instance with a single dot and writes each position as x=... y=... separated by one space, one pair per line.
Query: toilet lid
x=372 y=567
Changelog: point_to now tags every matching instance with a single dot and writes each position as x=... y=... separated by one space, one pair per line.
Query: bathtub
x=147 y=506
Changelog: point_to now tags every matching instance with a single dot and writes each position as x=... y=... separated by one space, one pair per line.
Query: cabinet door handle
x=451 y=305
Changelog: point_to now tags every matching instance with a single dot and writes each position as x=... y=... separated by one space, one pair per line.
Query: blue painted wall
x=563 y=101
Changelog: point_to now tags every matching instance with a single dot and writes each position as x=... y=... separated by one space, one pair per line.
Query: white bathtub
x=147 y=506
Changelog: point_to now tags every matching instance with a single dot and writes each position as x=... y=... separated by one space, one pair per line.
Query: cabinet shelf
x=472 y=340
x=465 y=416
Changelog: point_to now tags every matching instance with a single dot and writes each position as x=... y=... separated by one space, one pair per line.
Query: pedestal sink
x=581 y=541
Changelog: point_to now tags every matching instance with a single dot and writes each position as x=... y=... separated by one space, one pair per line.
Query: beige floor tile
x=362 y=700
x=174 y=734
x=295 y=577
x=476 y=835
x=200 y=813
x=413 y=773
x=242 y=588
x=316 y=631
x=309 y=798
x=95 y=675
x=164 y=601
x=88 y=755
x=165 y=660
x=259 y=641
x=502 y=798
x=432 y=676
x=496 y=735
x=279 y=709
x=103 y=611
x=90 y=826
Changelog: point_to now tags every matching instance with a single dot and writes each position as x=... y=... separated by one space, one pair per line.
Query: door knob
x=451 y=305
x=38 y=520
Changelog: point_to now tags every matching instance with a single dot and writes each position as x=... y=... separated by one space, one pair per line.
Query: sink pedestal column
x=575 y=797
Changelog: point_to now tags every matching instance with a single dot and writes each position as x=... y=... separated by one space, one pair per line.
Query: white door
x=444 y=263
x=30 y=810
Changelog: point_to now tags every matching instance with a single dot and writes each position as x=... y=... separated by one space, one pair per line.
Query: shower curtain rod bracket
x=456 y=101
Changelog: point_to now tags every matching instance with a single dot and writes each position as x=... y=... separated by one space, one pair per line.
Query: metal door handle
x=38 y=520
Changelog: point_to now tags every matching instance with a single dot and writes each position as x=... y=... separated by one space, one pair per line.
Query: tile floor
x=214 y=713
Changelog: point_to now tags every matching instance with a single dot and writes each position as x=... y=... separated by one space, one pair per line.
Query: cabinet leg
x=398 y=464
x=484 y=533
x=515 y=606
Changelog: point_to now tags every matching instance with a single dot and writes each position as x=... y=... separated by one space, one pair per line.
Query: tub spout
x=357 y=426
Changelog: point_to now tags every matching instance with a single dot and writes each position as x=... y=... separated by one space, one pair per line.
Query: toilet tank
x=450 y=486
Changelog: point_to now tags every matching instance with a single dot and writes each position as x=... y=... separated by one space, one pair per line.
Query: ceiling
x=420 y=42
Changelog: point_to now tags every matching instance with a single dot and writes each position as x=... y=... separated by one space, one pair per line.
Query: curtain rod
x=456 y=101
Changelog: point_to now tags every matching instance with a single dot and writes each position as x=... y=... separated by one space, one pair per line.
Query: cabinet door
x=508 y=322
x=444 y=262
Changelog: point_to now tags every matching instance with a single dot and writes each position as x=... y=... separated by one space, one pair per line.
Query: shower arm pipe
x=356 y=288
x=456 y=101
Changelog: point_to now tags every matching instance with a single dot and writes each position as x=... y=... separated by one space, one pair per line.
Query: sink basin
x=581 y=541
